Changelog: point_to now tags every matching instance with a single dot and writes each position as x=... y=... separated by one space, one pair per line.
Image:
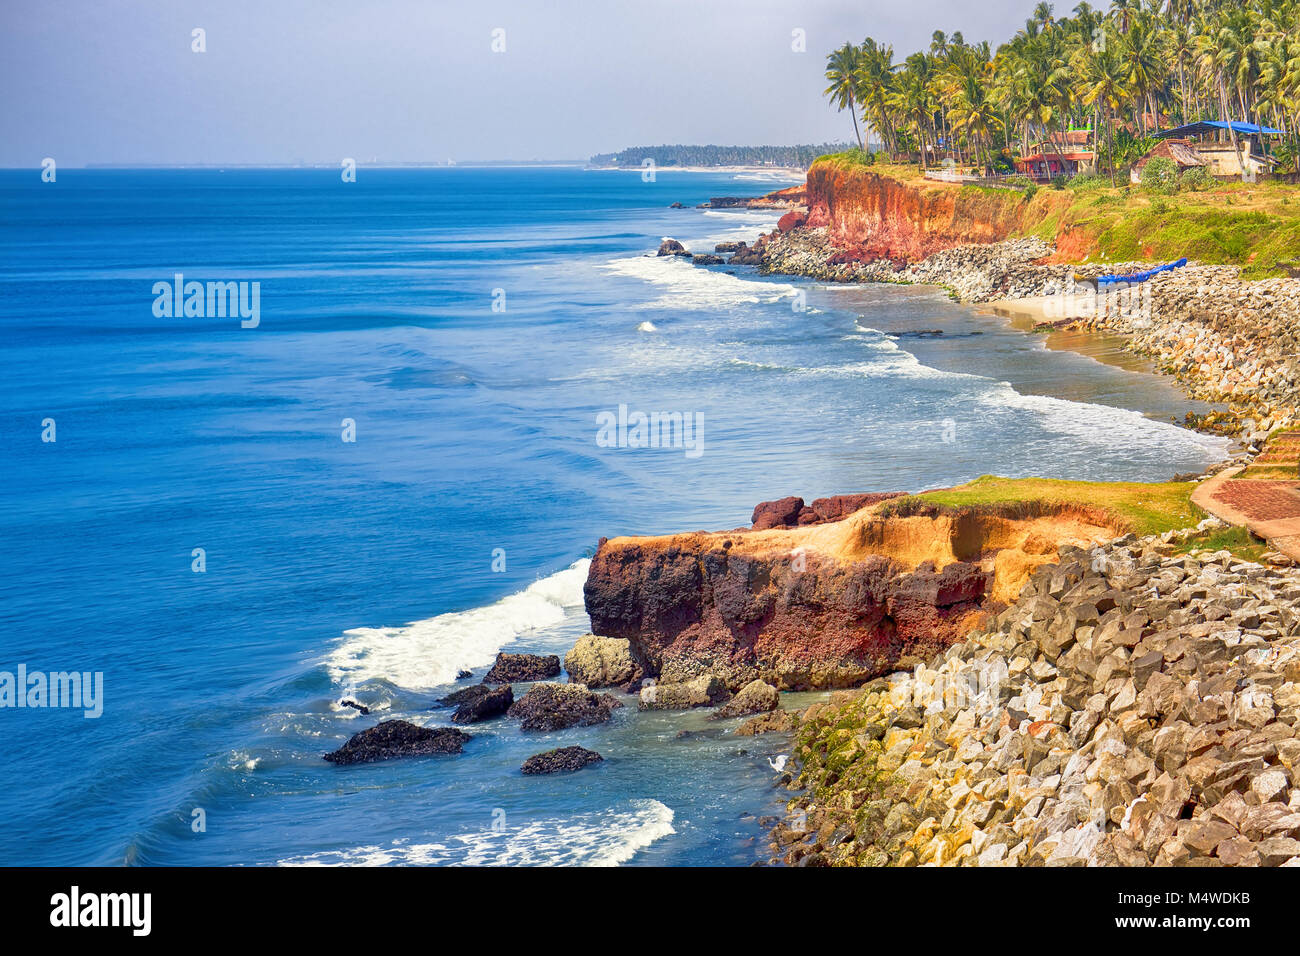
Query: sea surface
x=467 y=327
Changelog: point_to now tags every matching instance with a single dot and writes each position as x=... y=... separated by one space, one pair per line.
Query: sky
x=293 y=81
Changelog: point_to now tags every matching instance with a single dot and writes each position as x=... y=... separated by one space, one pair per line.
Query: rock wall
x=824 y=605
x=1134 y=707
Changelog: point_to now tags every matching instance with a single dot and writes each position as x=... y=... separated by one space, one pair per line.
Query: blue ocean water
x=472 y=324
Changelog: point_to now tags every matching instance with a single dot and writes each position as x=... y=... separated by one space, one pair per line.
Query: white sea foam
x=431 y=652
x=1091 y=423
x=691 y=288
x=603 y=838
x=647 y=327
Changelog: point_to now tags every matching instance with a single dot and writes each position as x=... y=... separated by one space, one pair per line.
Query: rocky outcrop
x=781 y=513
x=704 y=691
x=827 y=605
x=557 y=706
x=601 y=662
x=791 y=512
x=522 y=667
x=560 y=760
x=671 y=247
x=1135 y=707
x=756 y=697
x=776 y=721
x=488 y=702
x=789 y=198
x=398 y=738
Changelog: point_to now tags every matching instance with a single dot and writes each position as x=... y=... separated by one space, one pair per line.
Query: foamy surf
x=690 y=288
x=602 y=838
x=647 y=327
x=427 y=653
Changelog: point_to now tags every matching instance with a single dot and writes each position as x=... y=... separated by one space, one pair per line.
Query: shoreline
x=1243 y=356
x=878 y=801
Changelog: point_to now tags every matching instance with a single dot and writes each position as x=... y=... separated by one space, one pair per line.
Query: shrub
x=1197 y=178
x=1160 y=175
x=1086 y=181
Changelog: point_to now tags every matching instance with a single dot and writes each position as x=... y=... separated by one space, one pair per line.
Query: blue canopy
x=1206 y=126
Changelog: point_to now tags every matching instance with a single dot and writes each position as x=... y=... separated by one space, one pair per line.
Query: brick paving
x=1262 y=500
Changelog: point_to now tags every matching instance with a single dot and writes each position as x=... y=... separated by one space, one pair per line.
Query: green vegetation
x=1143 y=508
x=1160 y=175
x=669 y=156
x=1240 y=542
x=849 y=158
x=1124 y=72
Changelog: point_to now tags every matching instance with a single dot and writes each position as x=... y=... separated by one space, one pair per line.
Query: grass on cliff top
x=1145 y=508
x=1256 y=226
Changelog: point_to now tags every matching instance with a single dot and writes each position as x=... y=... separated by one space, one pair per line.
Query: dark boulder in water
x=522 y=667
x=561 y=759
x=671 y=247
x=491 y=703
x=462 y=675
x=462 y=696
x=398 y=738
x=354 y=705
x=556 y=706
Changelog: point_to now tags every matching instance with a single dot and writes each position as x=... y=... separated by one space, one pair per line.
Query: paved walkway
x=1270 y=509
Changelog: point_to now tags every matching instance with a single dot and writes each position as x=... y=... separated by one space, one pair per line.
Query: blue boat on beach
x=1142 y=276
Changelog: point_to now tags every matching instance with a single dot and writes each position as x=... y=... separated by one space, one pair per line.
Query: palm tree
x=1106 y=83
x=1139 y=60
x=875 y=83
x=841 y=73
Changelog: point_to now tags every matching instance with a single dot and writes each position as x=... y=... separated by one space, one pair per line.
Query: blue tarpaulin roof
x=1208 y=126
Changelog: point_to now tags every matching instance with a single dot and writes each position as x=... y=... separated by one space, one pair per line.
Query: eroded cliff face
x=824 y=605
x=873 y=216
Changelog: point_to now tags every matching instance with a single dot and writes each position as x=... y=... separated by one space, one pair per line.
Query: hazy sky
x=88 y=81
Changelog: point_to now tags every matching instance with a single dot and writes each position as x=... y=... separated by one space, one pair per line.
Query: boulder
x=781 y=513
x=704 y=691
x=398 y=738
x=556 y=706
x=510 y=668
x=671 y=247
x=458 y=697
x=707 y=259
x=756 y=697
x=491 y=703
x=362 y=708
x=775 y=721
x=560 y=759
x=601 y=662
x=791 y=220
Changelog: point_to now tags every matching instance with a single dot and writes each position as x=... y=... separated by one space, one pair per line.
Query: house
x=1066 y=153
x=1181 y=151
x=1211 y=140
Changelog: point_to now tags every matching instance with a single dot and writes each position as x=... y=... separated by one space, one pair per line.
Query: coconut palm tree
x=1105 y=84
x=841 y=74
